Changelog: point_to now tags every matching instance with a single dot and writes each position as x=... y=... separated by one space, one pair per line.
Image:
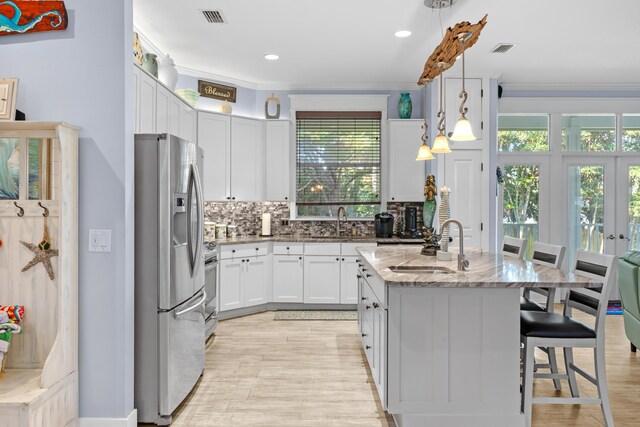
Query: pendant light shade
x=463 y=131
x=441 y=145
x=425 y=153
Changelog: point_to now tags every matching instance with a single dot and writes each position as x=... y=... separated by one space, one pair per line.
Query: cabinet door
x=288 y=276
x=406 y=175
x=322 y=279
x=453 y=86
x=254 y=281
x=378 y=362
x=214 y=137
x=277 y=160
x=173 y=118
x=247 y=159
x=188 y=123
x=231 y=291
x=147 y=108
x=162 y=109
x=348 y=280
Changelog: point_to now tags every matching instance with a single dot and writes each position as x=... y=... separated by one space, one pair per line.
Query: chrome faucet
x=463 y=262
x=344 y=212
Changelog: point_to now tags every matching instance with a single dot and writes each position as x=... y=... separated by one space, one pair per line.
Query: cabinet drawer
x=349 y=249
x=322 y=249
x=244 y=250
x=288 y=248
x=378 y=288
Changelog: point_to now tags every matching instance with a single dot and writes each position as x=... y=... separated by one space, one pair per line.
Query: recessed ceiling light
x=271 y=57
x=403 y=33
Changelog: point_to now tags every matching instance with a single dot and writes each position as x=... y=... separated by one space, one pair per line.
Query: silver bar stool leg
x=568 y=361
x=553 y=366
x=601 y=380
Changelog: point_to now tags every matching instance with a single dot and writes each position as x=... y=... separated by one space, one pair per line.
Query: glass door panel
x=520 y=203
x=591 y=206
x=628 y=226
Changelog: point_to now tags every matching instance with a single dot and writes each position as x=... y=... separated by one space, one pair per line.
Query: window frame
x=324 y=102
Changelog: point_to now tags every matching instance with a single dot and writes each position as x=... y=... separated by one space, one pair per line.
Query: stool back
x=513 y=247
x=549 y=256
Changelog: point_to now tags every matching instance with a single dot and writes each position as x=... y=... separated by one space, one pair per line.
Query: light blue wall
x=83 y=76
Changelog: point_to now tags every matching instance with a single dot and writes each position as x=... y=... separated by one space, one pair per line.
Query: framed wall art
x=8 y=93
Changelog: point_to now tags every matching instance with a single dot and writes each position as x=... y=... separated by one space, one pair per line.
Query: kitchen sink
x=420 y=269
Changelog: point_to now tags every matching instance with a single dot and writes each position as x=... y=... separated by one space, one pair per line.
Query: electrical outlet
x=284 y=222
x=99 y=240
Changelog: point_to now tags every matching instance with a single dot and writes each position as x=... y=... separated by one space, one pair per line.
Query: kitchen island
x=443 y=347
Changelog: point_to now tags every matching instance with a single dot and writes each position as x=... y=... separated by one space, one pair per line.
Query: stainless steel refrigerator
x=169 y=274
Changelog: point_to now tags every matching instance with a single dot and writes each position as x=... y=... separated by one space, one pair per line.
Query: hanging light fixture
x=441 y=144
x=463 y=131
x=425 y=152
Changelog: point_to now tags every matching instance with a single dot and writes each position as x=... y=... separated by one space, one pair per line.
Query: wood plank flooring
x=261 y=372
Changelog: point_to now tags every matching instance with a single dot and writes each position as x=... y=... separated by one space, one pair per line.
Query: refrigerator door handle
x=194 y=181
x=200 y=196
x=193 y=307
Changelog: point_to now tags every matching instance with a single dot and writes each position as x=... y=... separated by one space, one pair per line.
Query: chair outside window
x=543 y=329
x=512 y=247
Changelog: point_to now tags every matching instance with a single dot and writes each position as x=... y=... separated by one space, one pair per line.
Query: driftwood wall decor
x=19 y=17
x=450 y=48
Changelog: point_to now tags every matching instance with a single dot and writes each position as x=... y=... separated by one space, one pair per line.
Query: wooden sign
x=216 y=91
x=19 y=17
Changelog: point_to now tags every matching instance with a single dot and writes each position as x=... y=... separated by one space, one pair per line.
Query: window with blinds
x=337 y=163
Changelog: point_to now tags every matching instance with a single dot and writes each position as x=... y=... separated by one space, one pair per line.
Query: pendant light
x=425 y=152
x=441 y=144
x=463 y=131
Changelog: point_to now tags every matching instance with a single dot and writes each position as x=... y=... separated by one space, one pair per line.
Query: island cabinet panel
x=452 y=351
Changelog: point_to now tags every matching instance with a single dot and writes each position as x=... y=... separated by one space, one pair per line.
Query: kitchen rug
x=316 y=315
x=614 y=308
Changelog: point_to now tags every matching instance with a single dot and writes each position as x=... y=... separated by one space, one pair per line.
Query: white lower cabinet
x=348 y=280
x=322 y=279
x=244 y=282
x=288 y=277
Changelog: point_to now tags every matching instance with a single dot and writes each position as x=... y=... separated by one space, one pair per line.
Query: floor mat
x=614 y=308
x=316 y=315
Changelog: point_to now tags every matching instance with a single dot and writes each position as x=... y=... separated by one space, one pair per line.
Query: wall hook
x=21 y=212
x=46 y=211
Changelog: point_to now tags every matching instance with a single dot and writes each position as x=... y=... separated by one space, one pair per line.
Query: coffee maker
x=410 y=224
x=384 y=225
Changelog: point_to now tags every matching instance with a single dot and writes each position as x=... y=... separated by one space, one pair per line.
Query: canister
x=232 y=231
x=221 y=231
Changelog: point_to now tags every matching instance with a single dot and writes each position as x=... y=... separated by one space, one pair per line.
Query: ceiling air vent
x=214 y=16
x=503 y=48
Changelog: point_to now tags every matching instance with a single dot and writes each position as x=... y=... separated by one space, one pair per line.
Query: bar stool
x=549 y=256
x=543 y=329
x=513 y=247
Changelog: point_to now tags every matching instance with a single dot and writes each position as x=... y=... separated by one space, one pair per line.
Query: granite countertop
x=486 y=270
x=318 y=239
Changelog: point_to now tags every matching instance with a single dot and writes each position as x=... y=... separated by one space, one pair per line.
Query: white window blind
x=337 y=163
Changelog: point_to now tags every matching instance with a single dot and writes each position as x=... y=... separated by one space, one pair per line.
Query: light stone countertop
x=317 y=239
x=486 y=270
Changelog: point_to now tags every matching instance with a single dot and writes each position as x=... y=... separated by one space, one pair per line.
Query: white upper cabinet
x=188 y=123
x=146 y=103
x=453 y=86
x=168 y=106
x=277 y=159
x=247 y=159
x=214 y=137
x=406 y=175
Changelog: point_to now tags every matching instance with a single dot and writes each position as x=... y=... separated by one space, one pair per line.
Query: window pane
x=520 y=203
x=586 y=208
x=9 y=168
x=589 y=133
x=338 y=164
x=630 y=133
x=518 y=132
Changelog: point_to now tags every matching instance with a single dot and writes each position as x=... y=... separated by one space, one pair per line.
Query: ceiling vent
x=214 y=16
x=503 y=48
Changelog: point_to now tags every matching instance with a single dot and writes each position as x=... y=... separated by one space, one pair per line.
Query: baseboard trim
x=130 y=421
x=230 y=314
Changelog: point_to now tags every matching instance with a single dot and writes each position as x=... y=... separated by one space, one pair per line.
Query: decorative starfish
x=43 y=252
x=41 y=255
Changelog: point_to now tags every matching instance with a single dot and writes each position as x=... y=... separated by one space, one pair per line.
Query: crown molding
x=606 y=87
x=211 y=76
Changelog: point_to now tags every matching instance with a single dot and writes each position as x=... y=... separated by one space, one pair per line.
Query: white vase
x=167 y=72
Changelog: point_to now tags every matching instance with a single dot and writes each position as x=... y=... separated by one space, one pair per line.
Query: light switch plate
x=99 y=240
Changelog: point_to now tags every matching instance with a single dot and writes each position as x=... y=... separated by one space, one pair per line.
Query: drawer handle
x=359 y=276
x=376 y=305
x=368 y=347
x=364 y=335
x=242 y=260
x=257 y=249
x=364 y=269
x=343 y=259
x=367 y=307
x=368 y=275
x=364 y=298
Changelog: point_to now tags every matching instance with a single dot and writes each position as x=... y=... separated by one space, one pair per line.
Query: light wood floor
x=261 y=372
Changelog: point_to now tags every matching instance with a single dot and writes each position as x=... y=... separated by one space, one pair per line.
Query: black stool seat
x=552 y=325
x=528 y=305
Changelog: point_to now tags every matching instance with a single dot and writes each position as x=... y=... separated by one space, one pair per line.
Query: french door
x=627 y=232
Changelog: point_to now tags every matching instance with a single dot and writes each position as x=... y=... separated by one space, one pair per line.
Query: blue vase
x=405 y=106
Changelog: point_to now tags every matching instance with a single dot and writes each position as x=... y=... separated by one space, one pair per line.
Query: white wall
x=83 y=76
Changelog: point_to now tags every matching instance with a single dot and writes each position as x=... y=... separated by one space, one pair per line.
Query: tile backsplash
x=247 y=216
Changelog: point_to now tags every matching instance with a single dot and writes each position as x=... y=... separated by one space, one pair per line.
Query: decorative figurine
x=431 y=239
